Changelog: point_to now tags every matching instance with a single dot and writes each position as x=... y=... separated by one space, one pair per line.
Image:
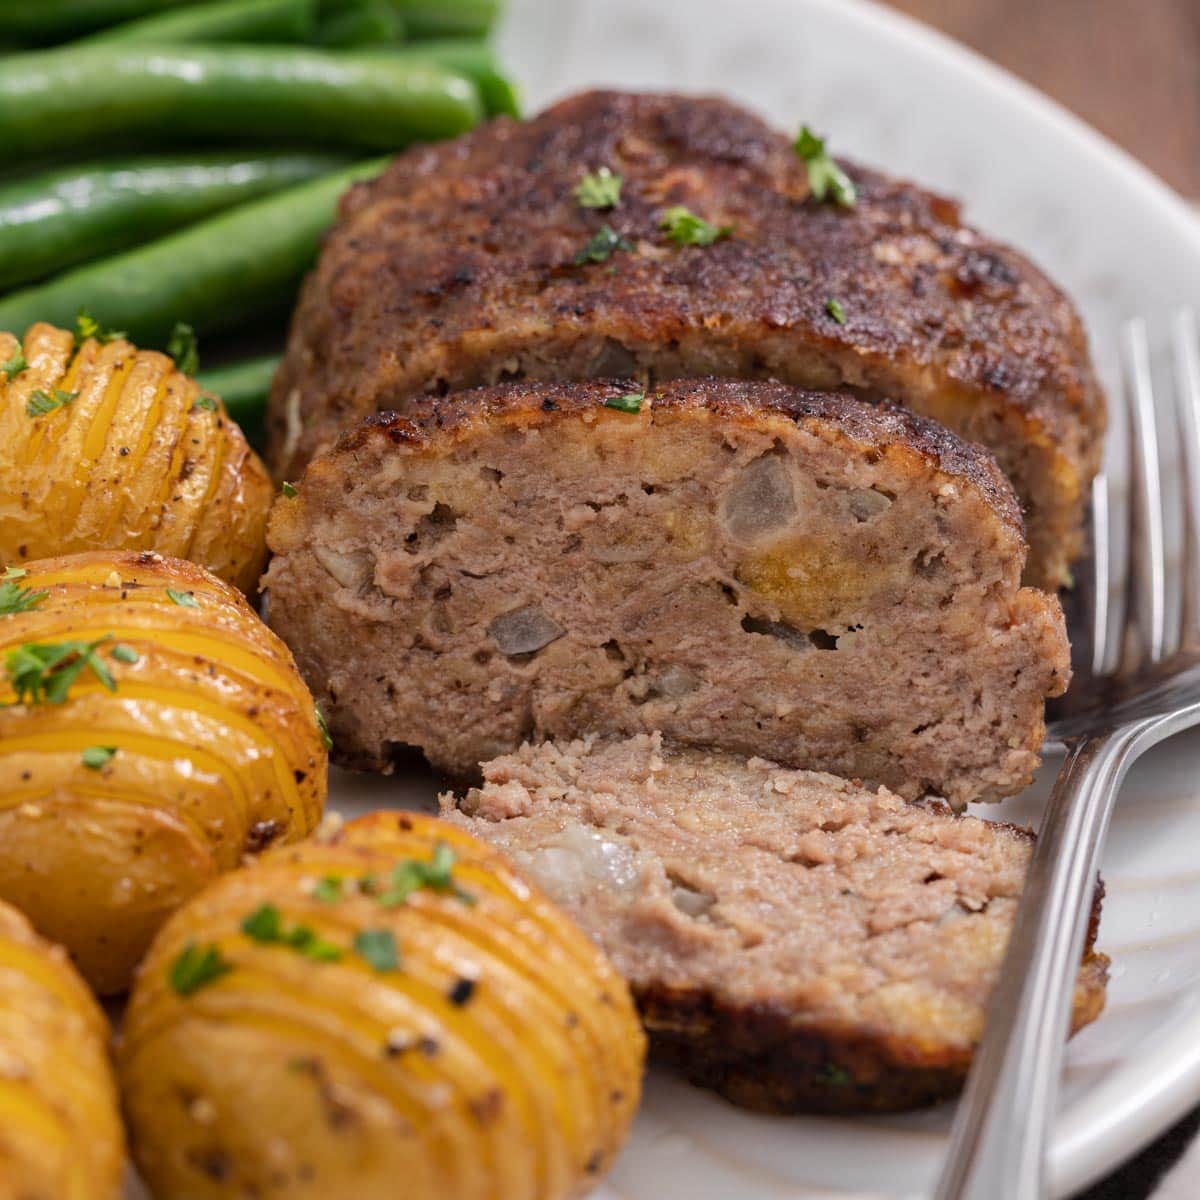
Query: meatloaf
x=472 y=262
x=794 y=940
x=743 y=565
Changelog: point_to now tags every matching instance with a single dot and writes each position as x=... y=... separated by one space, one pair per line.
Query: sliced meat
x=457 y=268
x=794 y=941
x=743 y=565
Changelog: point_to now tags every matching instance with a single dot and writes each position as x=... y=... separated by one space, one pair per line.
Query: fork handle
x=998 y=1142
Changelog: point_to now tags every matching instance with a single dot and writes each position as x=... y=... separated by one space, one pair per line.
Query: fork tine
x=1147 y=552
x=1185 y=341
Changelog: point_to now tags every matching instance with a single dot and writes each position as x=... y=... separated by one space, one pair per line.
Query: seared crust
x=759 y=1057
x=442 y=420
x=456 y=269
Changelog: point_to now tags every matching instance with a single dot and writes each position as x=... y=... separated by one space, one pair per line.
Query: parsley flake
x=123 y=653
x=195 y=968
x=183 y=348
x=834 y=1075
x=205 y=403
x=183 y=599
x=13 y=366
x=14 y=573
x=288 y=489
x=40 y=402
x=323 y=727
x=835 y=310
x=14 y=599
x=413 y=874
x=826 y=180
x=599 y=189
x=86 y=326
x=629 y=403
x=684 y=228
x=378 y=947
x=95 y=757
x=43 y=672
x=264 y=925
x=328 y=889
x=602 y=245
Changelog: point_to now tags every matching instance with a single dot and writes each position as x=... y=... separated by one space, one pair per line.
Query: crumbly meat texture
x=741 y=565
x=794 y=941
x=456 y=269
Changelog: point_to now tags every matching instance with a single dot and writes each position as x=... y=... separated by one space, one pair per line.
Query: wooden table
x=1131 y=68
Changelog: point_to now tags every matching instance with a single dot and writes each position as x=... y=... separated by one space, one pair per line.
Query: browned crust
x=457 y=264
x=759 y=1056
x=440 y=422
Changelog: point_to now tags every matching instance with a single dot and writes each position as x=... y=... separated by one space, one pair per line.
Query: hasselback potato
x=152 y=733
x=106 y=446
x=389 y=1011
x=60 y=1126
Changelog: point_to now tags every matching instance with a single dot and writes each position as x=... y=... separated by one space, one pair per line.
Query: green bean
x=59 y=218
x=368 y=22
x=216 y=274
x=448 y=18
x=81 y=95
x=57 y=20
x=477 y=61
x=219 y=21
x=244 y=386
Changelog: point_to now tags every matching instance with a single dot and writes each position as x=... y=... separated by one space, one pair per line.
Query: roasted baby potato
x=106 y=446
x=60 y=1126
x=388 y=1011
x=153 y=732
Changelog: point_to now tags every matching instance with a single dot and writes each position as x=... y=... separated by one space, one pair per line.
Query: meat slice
x=458 y=268
x=794 y=941
x=742 y=565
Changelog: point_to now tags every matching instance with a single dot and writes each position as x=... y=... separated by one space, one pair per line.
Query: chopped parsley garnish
x=602 y=245
x=14 y=573
x=629 y=403
x=265 y=926
x=323 y=727
x=826 y=180
x=834 y=1075
x=13 y=366
x=207 y=403
x=183 y=599
x=86 y=326
x=123 y=653
x=835 y=310
x=196 y=968
x=288 y=489
x=378 y=947
x=14 y=599
x=328 y=889
x=43 y=672
x=684 y=228
x=182 y=347
x=40 y=403
x=95 y=757
x=599 y=189
x=413 y=874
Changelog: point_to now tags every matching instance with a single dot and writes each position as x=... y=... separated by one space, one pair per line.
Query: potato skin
x=61 y=1136
x=131 y=464
x=314 y=1080
x=218 y=754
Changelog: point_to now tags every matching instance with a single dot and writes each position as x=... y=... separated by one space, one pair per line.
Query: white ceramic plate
x=896 y=95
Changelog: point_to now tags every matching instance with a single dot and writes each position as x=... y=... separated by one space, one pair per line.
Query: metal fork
x=1137 y=681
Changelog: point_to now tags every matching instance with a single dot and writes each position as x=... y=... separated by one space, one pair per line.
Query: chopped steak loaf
x=794 y=941
x=459 y=268
x=829 y=583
